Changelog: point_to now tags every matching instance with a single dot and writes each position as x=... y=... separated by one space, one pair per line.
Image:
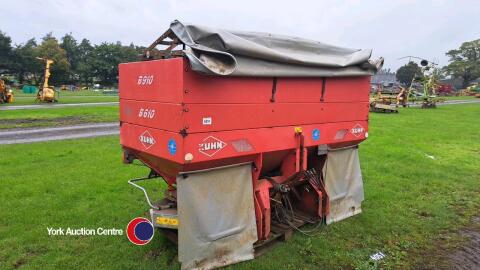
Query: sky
x=393 y=29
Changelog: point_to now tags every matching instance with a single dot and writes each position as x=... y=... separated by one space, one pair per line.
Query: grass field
x=412 y=201
x=83 y=96
x=57 y=116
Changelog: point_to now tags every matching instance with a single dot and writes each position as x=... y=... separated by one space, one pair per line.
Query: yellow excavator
x=46 y=93
x=6 y=96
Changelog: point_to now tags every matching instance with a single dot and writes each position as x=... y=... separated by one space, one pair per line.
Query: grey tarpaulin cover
x=215 y=51
x=216 y=217
x=343 y=182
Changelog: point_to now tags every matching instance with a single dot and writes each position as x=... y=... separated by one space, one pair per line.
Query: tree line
x=76 y=63
x=81 y=63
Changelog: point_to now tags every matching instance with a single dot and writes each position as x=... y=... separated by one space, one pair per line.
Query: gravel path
x=15 y=136
x=448 y=102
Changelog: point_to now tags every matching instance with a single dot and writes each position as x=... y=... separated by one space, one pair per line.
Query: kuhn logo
x=357 y=130
x=146 y=139
x=210 y=146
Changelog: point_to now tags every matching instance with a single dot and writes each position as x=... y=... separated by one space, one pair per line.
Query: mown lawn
x=57 y=116
x=421 y=178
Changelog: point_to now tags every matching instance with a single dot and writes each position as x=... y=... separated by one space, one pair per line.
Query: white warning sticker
x=207 y=121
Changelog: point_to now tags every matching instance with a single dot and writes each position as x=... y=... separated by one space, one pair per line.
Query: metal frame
x=151 y=53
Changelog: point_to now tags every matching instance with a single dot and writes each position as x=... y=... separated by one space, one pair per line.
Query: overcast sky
x=395 y=28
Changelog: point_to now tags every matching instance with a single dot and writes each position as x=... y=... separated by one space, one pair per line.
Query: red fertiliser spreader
x=256 y=136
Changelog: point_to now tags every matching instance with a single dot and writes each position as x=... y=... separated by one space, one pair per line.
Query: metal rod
x=131 y=182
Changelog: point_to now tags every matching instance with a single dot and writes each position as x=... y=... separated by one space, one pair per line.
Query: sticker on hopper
x=242 y=145
x=146 y=139
x=210 y=146
x=172 y=147
x=207 y=121
x=357 y=130
x=316 y=134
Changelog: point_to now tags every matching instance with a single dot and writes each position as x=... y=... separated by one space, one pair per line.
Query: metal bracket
x=274 y=90
x=169 y=52
x=324 y=82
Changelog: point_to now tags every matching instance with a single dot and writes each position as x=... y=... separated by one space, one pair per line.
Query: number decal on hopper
x=145 y=80
x=146 y=113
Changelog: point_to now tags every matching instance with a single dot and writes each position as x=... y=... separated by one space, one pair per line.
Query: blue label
x=316 y=134
x=172 y=147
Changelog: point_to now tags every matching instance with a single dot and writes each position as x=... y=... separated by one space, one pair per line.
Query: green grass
x=411 y=200
x=57 y=116
x=83 y=96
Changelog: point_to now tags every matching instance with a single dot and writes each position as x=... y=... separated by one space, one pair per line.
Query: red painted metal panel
x=220 y=117
x=152 y=141
x=159 y=80
x=226 y=90
x=166 y=116
x=299 y=90
x=236 y=143
x=248 y=116
x=351 y=89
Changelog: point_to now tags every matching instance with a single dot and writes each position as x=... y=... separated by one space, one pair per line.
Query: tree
x=52 y=50
x=107 y=56
x=465 y=62
x=85 y=62
x=5 y=51
x=73 y=62
x=25 y=66
x=406 y=73
x=69 y=44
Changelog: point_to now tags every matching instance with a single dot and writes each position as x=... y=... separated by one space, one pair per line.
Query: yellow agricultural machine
x=6 y=95
x=384 y=103
x=46 y=93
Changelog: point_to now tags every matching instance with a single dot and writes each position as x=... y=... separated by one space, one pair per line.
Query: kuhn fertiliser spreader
x=255 y=134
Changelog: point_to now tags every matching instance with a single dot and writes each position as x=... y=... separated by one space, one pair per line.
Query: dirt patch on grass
x=19 y=263
x=460 y=251
x=23 y=260
x=467 y=256
x=40 y=122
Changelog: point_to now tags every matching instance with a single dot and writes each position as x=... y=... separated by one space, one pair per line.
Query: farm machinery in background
x=388 y=102
x=472 y=90
x=6 y=95
x=427 y=81
x=45 y=92
x=383 y=102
